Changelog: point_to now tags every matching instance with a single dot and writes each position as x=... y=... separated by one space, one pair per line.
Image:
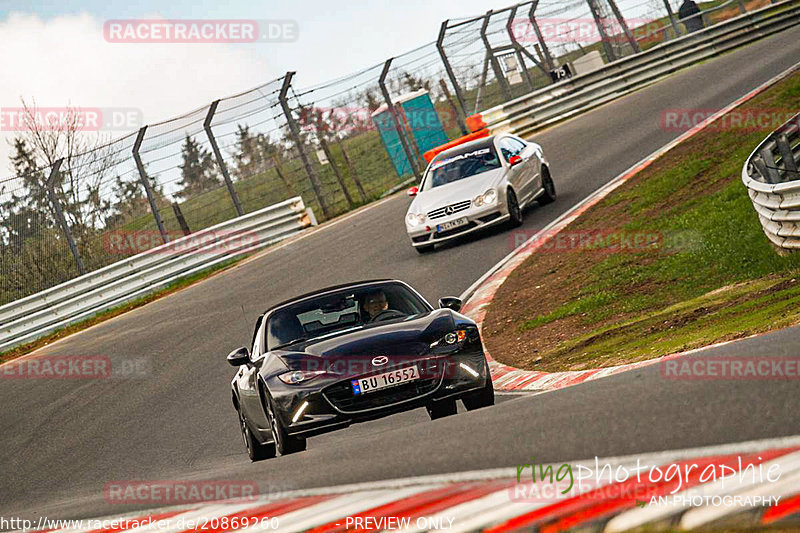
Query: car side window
x=510 y=147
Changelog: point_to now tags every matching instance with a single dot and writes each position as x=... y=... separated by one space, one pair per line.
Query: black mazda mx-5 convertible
x=352 y=353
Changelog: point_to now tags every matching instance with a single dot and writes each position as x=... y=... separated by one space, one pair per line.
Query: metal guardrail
x=578 y=94
x=28 y=318
x=773 y=182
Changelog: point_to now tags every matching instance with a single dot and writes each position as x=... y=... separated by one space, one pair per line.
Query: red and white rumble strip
x=756 y=483
x=481 y=293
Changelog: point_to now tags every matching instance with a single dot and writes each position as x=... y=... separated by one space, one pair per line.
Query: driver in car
x=375 y=303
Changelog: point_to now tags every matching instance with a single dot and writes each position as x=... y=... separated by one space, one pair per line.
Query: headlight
x=299 y=376
x=487 y=198
x=413 y=219
x=451 y=338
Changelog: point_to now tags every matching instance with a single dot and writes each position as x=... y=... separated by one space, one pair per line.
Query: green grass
x=714 y=275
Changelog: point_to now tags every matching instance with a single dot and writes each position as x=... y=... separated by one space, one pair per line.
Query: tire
x=549 y=194
x=480 y=398
x=255 y=450
x=424 y=249
x=442 y=409
x=284 y=443
x=514 y=210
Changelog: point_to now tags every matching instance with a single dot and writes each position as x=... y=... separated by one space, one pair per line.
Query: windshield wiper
x=293 y=341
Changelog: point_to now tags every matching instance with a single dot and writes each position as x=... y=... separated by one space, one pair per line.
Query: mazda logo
x=449 y=210
x=380 y=360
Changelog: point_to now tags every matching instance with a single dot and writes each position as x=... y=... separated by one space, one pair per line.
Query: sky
x=55 y=52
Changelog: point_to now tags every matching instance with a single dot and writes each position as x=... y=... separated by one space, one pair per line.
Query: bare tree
x=70 y=135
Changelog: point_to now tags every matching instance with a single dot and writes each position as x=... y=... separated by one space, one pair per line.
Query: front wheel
x=284 y=443
x=514 y=210
x=549 y=194
x=255 y=450
x=442 y=409
x=480 y=398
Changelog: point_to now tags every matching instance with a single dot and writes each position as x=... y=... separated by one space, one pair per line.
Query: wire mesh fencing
x=69 y=210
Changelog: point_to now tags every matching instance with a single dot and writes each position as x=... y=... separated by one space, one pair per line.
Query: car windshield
x=460 y=166
x=342 y=311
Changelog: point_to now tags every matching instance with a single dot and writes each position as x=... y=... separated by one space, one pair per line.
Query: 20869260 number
x=236 y=522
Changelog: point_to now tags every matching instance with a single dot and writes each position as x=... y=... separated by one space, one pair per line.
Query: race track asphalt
x=62 y=441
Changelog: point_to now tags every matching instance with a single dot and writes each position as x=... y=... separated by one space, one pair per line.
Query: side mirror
x=515 y=160
x=449 y=302
x=413 y=191
x=239 y=357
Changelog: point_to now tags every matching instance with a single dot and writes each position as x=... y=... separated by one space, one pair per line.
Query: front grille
x=456 y=208
x=341 y=396
x=454 y=231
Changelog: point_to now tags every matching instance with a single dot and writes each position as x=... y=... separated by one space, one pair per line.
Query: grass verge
x=672 y=260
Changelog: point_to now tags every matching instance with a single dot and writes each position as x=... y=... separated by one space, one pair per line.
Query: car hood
x=399 y=341
x=458 y=191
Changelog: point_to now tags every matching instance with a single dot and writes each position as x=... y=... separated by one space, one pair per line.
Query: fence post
x=295 y=133
x=742 y=7
x=498 y=72
x=51 y=193
x=672 y=20
x=449 y=69
x=180 y=218
x=277 y=167
x=618 y=14
x=519 y=49
x=218 y=156
x=332 y=163
x=352 y=170
x=459 y=120
x=539 y=37
x=148 y=190
x=601 y=30
x=412 y=160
